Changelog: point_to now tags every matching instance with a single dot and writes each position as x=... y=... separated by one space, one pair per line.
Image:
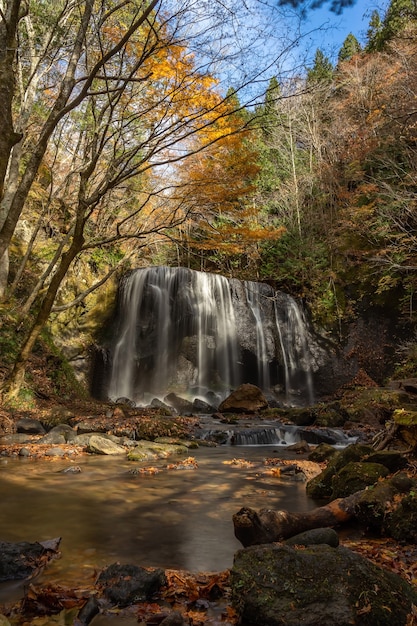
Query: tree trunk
x=14 y=382
x=267 y=526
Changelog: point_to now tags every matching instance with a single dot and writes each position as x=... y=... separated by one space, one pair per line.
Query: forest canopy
x=140 y=133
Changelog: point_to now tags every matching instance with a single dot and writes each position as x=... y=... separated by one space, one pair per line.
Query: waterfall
x=292 y=334
x=253 y=296
x=201 y=334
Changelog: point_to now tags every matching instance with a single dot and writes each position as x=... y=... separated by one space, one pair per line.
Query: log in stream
x=266 y=526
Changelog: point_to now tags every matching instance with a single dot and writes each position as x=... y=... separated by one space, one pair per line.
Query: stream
x=174 y=519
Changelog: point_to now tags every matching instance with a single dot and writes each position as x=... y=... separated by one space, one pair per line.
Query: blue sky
x=336 y=27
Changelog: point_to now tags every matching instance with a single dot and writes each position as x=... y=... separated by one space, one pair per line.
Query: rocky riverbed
x=147 y=443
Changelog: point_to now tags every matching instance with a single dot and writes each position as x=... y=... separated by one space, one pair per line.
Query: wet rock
x=173 y=619
x=55 y=452
x=332 y=436
x=128 y=584
x=190 y=444
x=199 y=406
x=158 y=404
x=300 y=447
x=246 y=398
x=181 y=405
x=25 y=452
x=29 y=426
x=102 y=445
x=127 y=402
x=316 y=536
x=323 y=452
x=316 y=585
x=90 y=609
x=20 y=560
x=149 y=450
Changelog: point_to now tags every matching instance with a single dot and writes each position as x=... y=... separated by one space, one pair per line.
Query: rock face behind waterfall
x=195 y=333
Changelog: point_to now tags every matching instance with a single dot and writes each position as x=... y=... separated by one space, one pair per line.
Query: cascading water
x=200 y=333
x=253 y=296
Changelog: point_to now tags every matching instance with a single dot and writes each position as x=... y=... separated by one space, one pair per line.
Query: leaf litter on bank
x=202 y=598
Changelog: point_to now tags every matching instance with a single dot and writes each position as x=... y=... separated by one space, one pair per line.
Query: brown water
x=176 y=519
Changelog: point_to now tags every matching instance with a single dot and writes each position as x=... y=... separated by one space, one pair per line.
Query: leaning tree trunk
x=15 y=380
x=267 y=526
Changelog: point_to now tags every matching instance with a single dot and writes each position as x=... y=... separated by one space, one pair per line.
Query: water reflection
x=179 y=519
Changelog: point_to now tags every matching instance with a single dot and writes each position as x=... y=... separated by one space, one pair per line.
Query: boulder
x=321 y=486
x=405 y=422
x=316 y=586
x=246 y=398
x=181 y=405
x=200 y=406
x=29 y=426
x=323 y=452
x=57 y=415
x=355 y=476
x=315 y=536
x=401 y=523
x=150 y=450
x=101 y=445
x=392 y=459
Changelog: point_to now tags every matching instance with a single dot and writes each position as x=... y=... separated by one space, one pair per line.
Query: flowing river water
x=176 y=519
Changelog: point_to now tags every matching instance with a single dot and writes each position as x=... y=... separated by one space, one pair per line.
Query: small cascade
x=276 y=435
x=282 y=436
x=200 y=334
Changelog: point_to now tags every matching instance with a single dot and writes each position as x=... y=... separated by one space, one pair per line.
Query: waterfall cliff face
x=199 y=333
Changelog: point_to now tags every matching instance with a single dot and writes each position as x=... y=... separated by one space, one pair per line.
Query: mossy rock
x=148 y=450
x=355 y=476
x=276 y=584
x=321 y=486
x=405 y=417
x=189 y=444
x=305 y=416
x=392 y=459
x=373 y=404
x=375 y=503
x=331 y=415
x=323 y=452
x=401 y=524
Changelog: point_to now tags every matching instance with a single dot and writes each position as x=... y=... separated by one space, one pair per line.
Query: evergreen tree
x=350 y=47
x=322 y=70
x=400 y=14
x=269 y=110
x=373 y=34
